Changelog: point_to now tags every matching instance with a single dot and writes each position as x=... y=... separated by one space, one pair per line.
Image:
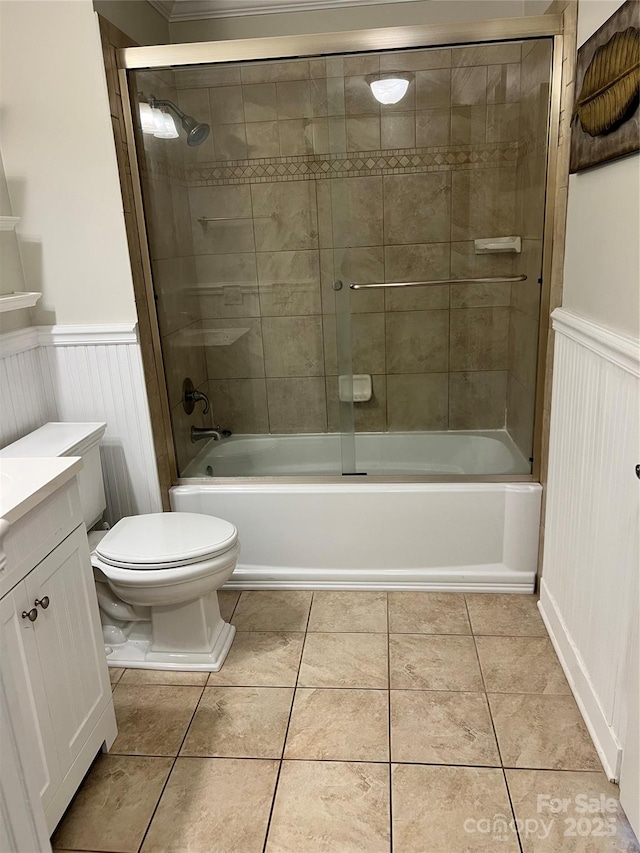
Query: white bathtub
x=488 y=452
x=372 y=535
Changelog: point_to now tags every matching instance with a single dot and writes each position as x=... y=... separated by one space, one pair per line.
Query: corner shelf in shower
x=16 y=301
x=217 y=337
x=8 y=223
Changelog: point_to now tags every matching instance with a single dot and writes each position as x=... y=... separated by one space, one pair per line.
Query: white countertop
x=24 y=483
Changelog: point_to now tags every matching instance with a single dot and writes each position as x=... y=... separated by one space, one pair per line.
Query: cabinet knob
x=43 y=602
x=31 y=615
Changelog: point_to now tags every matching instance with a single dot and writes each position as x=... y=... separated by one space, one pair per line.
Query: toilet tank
x=59 y=439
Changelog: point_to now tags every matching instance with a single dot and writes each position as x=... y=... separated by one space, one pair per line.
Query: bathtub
x=450 y=536
x=401 y=454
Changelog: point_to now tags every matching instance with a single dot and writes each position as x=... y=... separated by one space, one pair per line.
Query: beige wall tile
x=433 y=127
x=477 y=399
x=480 y=295
x=366 y=63
x=260 y=102
x=289 y=283
x=195 y=102
x=479 y=339
x=231 y=236
x=433 y=89
x=363 y=133
x=417 y=262
x=368 y=343
x=294 y=99
x=174 y=283
x=263 y=139
x=325 y=213
x=398 y=130
x=335 y=96
x=520 y=411
x=320 y=135
x=232 y=202
x=359 y=265
x=525 y=295
x=469 y=85
x=216 y=271
x=415 y=60
x=337 y=128
x=485 y=54
x=417 y=401
x=330 y=344
x=417 y=341
x=206 y=76
x=372 y=415
x=183 y=356
x=356 y=205
x=503 y=83
x=285 y=216
x=523 y=349
x=503 y=122
x=466 y=264
x=240 y=404
x=417 y=208
x=293 y=346
x=296 y=137
x=273 y=72
x=483 y=203
x=297 y=405
x=181 y=424
x=468 y=125
x=242 y=359
x=226 y=105
x=359 y=98
x=229 y=142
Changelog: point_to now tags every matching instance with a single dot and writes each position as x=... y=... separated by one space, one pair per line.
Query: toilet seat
x=165 y=540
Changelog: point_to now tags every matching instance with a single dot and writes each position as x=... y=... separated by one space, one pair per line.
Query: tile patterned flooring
x=352 y=722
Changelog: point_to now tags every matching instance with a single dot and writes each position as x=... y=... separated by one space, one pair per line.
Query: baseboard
x=603 y=736
x=493 y=578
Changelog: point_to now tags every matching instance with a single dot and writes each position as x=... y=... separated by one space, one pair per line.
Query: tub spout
x=201 y=433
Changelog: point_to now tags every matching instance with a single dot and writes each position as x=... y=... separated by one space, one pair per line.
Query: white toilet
x=156 y=575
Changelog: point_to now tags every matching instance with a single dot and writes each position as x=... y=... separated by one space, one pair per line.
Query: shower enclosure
x=349 y=268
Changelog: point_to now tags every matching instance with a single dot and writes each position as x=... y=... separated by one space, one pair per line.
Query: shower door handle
x=437 y=282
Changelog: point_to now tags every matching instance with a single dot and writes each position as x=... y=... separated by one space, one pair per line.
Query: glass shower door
x=437 y=216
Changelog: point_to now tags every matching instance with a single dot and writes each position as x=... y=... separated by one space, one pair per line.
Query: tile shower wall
x=174 y=273
x=306 y=178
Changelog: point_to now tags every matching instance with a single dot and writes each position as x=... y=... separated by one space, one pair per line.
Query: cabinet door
x=29 y=758
x=69 y=641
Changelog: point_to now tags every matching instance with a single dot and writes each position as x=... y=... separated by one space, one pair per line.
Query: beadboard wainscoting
x=26 y=402
x=86 y=373
x=589 y=589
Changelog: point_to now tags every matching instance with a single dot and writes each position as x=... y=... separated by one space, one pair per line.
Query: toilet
x=157 y=575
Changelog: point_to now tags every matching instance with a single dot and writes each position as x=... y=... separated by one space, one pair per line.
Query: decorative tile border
x=351 y=164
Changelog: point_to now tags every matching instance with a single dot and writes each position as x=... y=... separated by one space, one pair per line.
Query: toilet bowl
x=156 y=575
x=165 y=569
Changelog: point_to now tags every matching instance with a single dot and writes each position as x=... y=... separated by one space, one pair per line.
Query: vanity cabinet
x=55 y=681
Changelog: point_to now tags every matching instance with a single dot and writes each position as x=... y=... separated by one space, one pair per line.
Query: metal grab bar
x=496 y=280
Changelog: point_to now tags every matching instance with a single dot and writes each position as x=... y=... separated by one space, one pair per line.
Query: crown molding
x=198 y=10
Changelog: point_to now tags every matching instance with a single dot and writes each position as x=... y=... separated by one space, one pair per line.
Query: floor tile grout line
x=286 y=733
x=493 y=728
x=171 y=769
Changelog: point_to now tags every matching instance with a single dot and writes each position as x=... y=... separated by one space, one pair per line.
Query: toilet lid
x=165 y=540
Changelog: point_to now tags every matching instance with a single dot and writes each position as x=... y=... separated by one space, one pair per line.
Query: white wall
x=602 y=262
x=347 y=18
x=60 y=162
x=137 y=18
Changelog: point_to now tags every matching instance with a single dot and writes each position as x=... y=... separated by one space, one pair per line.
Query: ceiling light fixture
x=391 y=89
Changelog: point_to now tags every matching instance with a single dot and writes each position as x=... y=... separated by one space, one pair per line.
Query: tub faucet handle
x=190 y=396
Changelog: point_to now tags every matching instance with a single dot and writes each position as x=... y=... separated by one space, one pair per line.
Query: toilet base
x=136 y=652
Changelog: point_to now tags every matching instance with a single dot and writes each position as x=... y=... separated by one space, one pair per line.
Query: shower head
x=196 y=131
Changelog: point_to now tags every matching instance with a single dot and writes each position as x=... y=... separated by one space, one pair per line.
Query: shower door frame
x=340 y=43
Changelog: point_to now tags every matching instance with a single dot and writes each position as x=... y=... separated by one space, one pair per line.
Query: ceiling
x=193 y=10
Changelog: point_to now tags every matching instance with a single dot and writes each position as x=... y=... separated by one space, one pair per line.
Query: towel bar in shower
x=496 y=280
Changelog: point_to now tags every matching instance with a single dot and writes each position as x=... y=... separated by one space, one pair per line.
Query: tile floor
x=353 y=722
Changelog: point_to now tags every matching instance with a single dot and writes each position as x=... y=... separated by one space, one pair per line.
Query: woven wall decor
x=605 y=117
